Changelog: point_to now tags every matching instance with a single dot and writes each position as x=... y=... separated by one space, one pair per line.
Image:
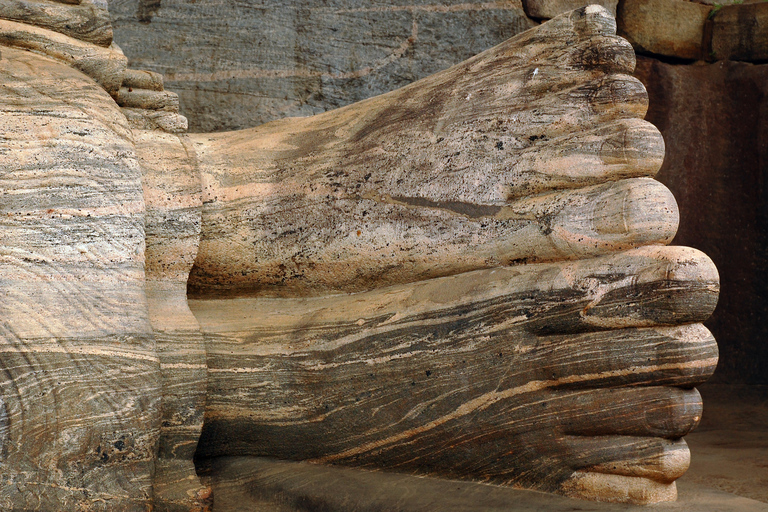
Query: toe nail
x=641 y=210
x=676 y=415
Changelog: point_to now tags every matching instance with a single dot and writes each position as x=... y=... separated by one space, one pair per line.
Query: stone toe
x=657 y=411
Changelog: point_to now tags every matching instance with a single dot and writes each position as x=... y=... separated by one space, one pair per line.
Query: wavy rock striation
x=466 y=277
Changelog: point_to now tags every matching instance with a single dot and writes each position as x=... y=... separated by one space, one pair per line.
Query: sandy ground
x=729 y=450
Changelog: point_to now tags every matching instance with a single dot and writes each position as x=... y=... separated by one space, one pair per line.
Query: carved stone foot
x=534 y=150
x=564 y=377
x=571 y=371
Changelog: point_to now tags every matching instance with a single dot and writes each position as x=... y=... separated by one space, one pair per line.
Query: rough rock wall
x=239 y=64
x=704 y=65
x=714 y=118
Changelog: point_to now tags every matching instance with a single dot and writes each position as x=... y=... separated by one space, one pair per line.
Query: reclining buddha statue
x=468 y=277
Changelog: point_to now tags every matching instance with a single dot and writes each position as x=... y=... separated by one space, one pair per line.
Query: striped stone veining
x=466 y=277
x=431 y=377
x=80 y=371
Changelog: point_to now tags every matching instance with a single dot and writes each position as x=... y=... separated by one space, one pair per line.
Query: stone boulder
x=546 y=9
x=740 y=32
x=672 y=28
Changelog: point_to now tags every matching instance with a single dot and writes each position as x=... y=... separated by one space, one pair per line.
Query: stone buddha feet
x=570 y=371
x=573 y=378
x=467 y=277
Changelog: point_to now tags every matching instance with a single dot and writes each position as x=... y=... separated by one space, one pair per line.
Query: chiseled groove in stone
x=473 y=211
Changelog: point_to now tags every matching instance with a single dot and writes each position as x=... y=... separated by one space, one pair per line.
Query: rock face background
x=240 y=64
x=714 y=118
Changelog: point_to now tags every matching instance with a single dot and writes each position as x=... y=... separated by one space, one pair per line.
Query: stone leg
x=534 y=150
x=574 y=378
x=80 y=381
x=570 y=371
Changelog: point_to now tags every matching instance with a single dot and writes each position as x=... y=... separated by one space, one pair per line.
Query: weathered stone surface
x=173 y=202
x=240 y=64
x=369 y=379
x=141 y=79
x=371 y=384
x=148 y=107
x=674 y=28
x=248 y=484
x=547 y=9
x=141 y=119
x=105 y=65
x=328 y=203
x=740 y=32
x=535 y=148
x=87 y=21
x=713 y=118
x=147 y=99
x=81 y=380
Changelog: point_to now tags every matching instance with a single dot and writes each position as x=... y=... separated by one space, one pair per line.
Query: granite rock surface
x=241 y=64
x=531 y=156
